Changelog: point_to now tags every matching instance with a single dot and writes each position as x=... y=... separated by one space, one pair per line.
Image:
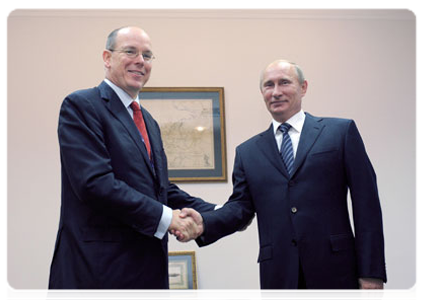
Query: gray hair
x=111 y=39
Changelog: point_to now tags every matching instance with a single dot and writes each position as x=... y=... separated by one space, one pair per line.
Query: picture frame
x=192 y=124
x=182 y=270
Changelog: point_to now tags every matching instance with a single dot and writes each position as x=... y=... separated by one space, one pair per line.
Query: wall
x=360 y=64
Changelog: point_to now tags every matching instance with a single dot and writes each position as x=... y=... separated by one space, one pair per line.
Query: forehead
x=278 y=71
x=133 y=37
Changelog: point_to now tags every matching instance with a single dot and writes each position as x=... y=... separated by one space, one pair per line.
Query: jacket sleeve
x=367 y=212
x=235 y=214
x=178 y=199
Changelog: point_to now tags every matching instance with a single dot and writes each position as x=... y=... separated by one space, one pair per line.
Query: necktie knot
x=284 y=127
x=135 y=106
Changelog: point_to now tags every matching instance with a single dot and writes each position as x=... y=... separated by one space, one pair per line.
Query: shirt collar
x=296 y=121
x=123 y=96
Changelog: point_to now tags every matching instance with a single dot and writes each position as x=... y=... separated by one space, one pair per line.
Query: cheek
x=148 y=69
x=266 y=101
x=267 y=96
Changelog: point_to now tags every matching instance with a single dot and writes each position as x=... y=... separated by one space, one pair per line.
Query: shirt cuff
x=165 y=221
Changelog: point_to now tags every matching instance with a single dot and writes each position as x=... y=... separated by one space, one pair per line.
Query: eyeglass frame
x=135 y=55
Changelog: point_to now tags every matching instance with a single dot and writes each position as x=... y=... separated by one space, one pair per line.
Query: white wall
x=360 y=64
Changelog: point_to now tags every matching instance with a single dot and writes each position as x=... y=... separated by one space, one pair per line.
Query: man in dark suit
x=117 y=202
x=296 y=178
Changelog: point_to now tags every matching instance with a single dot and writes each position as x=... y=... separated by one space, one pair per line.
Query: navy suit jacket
x=304 y=218
x=112 y=197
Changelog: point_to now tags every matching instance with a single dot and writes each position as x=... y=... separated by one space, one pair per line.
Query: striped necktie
x=287 y=151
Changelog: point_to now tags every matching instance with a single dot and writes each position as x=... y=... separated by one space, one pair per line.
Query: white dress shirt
x=297 y=123
x=166 y=217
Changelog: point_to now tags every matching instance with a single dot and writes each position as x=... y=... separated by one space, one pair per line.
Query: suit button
x=294 y=242
x=291 y=183
x=294 y=210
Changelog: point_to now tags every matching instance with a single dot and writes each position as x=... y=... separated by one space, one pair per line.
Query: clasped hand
x=186 y=225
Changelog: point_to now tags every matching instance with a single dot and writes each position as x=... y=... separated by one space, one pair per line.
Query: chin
x=279 y=113
x=138 y=86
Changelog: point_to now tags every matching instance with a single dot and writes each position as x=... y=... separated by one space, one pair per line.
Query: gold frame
x=186 y=258
x=219 y=173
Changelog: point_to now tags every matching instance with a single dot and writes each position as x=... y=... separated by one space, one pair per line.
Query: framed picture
x=182 y=270
x=192 y=124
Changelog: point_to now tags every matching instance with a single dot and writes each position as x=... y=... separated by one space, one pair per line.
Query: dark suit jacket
x=304 y=217
x=112 y=197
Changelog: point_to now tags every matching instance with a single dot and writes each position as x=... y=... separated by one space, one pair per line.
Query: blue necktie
x=287 y=152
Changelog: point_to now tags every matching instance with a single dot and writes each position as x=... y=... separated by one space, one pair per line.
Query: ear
x=106 y=58
x=304 y=88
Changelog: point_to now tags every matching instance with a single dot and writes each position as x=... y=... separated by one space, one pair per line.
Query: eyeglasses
x=133 y=53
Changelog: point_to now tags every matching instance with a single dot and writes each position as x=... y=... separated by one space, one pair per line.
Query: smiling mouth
x=278 y=102
x=139 y=73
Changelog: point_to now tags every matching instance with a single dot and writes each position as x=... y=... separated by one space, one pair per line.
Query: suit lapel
x=155 y=141
x=119 y=111
x=267 y=144
x=309 y=134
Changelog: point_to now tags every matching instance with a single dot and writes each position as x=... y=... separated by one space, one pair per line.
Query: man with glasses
x=117 y=202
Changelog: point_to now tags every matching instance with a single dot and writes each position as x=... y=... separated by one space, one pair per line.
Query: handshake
x=186 y=225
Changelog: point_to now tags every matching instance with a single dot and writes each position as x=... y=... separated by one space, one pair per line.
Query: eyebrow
x=135 y=48
x=267 y=81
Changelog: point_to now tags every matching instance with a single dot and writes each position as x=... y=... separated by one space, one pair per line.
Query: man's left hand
x=370 y=284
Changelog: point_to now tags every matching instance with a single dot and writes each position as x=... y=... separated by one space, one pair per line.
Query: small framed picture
x=182 y=270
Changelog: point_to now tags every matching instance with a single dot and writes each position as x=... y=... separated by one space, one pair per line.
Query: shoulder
x=83 y=99
x=333 y=125
x=81 y=104
x=329 y=121
x=84 y=94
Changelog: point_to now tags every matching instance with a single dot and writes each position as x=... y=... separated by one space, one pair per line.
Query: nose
x=139 y=59
x=277 y=91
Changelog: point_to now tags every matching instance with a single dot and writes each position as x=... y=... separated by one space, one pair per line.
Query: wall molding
x=222 y=13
